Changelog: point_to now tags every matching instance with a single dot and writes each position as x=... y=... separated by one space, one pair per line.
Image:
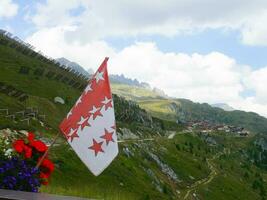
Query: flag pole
x=45 y=154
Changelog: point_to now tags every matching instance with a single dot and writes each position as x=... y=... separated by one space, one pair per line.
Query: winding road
x=207 y=179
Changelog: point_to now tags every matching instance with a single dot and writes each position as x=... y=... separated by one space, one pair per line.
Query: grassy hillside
x=164 y=163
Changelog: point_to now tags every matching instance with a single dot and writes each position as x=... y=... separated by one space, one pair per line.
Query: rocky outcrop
x=262 y=142
x=155 y=180
x=127 y=152
x=125 y=133
x=165 y=168
x=211 y=141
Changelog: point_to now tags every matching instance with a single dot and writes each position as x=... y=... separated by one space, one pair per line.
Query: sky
x=207 y=51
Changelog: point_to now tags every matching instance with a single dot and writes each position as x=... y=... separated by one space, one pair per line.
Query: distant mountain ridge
x=75 y=66
x=113 y=77
x=134 y=82
x=128 y=81
x=223 y=106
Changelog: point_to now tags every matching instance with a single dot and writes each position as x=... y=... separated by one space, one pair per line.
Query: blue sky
x=205 y=51
x=19 y=25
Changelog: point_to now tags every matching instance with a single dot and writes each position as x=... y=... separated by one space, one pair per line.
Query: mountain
x=75 y=66
x=184 y=110
x=223 y=106
x=160 y=92
x=128 y=81
x=158 y=158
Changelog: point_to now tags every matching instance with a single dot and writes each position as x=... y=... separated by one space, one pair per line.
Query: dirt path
x=213 y=171
x=136 y=140
x=207 y=179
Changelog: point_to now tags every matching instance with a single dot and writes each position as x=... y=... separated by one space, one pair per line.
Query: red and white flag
x=90 y=125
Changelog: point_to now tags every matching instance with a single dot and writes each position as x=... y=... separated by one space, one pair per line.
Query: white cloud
x=8 y=8
x=210 y=78
x=254 y=31
x=257 y=81
x=54 y=13
x=250 y=104
x=204 y=78
x=53 y=43
x=128 y=18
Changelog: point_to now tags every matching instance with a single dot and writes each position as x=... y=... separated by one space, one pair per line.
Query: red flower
x=48 y=168
x=44 y=175
x=48 y=165
x=28 y=151
x=39 y=145
x=18 y=145
x=31 y=137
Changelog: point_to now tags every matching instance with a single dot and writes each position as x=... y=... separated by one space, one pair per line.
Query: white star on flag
x=78 y=101
x=88 y=88
x=91 y=128
x=72 y=134
x=94 y=110
x=99 y=76
x=106 y=100
x=69 y=114
x=83 y=122
x=71 y=131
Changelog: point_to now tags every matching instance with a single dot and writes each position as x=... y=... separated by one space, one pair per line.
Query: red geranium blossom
x=31 y=137
x=48 y=165
x=18 y=145
x=44 y=175
x=47 y=169
x=28 y=151
x=39 y=145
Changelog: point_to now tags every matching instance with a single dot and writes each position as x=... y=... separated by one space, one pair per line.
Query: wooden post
x=45 y=154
